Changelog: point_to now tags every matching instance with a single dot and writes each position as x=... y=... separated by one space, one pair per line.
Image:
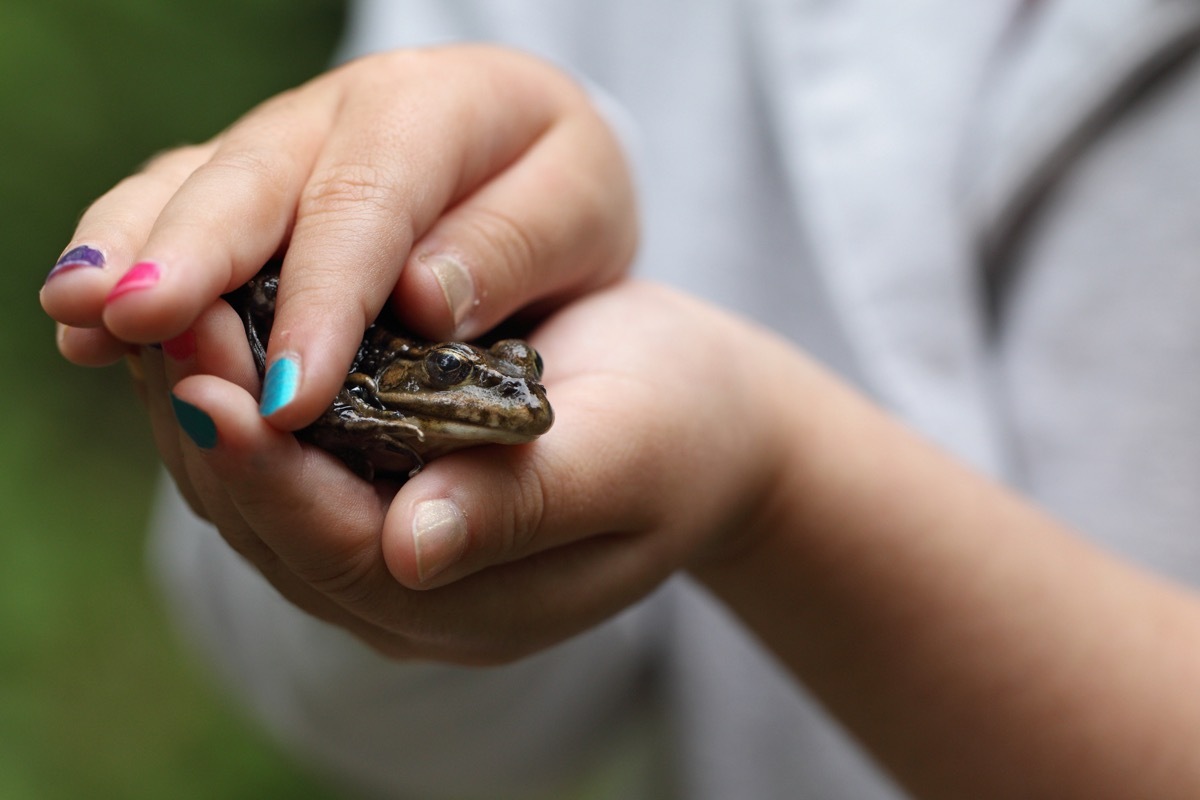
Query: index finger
x=492 y=162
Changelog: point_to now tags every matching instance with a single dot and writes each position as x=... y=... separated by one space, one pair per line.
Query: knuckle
x=531 y=502
x=514 y=247
x=404 y=64
x=176 y=164
x=324 y=297
x=263 y=168
x=523 y=513
x=318 y=286
x=117 y=209
x=354 y=188
x=352 y=578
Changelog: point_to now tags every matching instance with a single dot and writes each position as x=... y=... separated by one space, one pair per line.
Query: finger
x=387 y=172
x=318 y=518
x=509 y=245
x=227 y=219
x=89 y=347
x=209 y=499
x=473 y=510
x=215 y=344
x=611 y=500
x=320 y=533
x=109 y=236
x=165 y=430
x=137 y=377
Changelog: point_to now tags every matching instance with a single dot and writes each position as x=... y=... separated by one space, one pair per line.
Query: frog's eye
x=539 y=366
x=446 y=367
x=521 y=356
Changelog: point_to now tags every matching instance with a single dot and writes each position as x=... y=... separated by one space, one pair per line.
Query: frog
x=407 y=400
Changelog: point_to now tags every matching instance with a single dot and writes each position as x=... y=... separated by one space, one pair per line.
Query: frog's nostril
x=511 y=389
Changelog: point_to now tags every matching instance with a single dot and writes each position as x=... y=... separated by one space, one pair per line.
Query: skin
x=370 y=176
x=973 y=645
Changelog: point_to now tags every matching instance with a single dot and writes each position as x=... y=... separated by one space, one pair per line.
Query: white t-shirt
x=959 y=206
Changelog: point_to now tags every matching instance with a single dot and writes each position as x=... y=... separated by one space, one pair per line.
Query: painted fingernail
x=279 y=385
x=439 y=533
x=141 y=275
x=197 y=424
x=182 y=347
x=76 y=257
x=458 y=287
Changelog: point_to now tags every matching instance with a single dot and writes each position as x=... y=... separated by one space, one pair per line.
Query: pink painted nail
x=142 y=275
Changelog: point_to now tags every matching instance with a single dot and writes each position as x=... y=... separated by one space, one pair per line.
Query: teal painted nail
x=280 y=385
x=198 y=425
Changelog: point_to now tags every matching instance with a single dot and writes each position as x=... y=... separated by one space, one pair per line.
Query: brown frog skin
x=406 y=400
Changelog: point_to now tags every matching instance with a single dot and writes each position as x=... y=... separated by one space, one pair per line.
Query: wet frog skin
x=406 y=400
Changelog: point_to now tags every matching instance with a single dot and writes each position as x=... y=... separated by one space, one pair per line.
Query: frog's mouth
x=450 y=435
x=474 y=432
x=491 y=419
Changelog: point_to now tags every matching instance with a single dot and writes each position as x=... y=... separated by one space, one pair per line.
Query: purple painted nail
x=82 y=256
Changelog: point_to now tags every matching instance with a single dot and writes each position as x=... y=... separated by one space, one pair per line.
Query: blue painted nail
x=82 y=256
x=280 y=385
x=198 y=425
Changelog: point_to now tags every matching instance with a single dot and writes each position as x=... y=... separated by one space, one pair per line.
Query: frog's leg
x=401 y=447
x=391 y=433
x=363 y=415
x=258 y=348
x=358 y=384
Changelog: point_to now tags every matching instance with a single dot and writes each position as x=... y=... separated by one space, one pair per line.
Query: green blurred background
x=97 y=697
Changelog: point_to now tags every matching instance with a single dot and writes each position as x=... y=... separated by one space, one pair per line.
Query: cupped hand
x=660 y=458
x=463 y=182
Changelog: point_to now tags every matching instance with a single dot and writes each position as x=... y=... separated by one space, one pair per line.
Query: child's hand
x=465 y=183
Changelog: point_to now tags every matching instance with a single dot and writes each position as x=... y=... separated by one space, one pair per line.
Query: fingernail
x=198 y=425
x=76 y=257
x=279 y=385
x=141 y=275
x=182 y=347
x=439 y=534
x=455 y=281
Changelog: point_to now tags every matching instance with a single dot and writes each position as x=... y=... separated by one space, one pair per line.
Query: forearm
x=976 y=647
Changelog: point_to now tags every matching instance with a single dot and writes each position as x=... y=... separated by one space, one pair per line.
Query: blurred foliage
x=97 y=698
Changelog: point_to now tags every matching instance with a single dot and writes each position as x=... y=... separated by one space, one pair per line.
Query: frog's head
x=460 y=394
